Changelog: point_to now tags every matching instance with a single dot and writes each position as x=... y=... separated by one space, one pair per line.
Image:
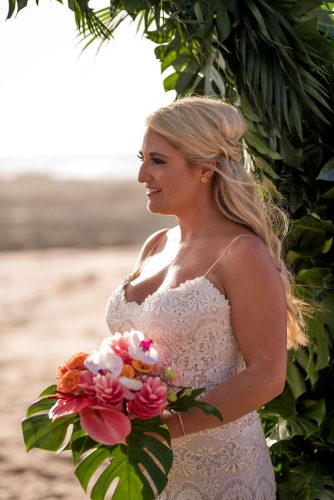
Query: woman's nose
x=143 y=174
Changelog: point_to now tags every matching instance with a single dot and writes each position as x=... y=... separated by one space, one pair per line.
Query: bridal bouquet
x=105 y=408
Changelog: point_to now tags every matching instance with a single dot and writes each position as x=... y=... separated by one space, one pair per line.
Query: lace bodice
x=194 y=314
x=192 y=323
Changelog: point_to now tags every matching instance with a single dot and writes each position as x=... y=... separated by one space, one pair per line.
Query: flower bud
x=172 y=397
x=170 y=374
x=187 y=392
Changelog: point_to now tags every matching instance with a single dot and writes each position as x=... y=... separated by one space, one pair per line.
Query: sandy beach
x=52 y=305
x=64 y=246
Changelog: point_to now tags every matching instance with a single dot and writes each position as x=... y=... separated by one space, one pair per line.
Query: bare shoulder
x=248 y=270
x=149 y=245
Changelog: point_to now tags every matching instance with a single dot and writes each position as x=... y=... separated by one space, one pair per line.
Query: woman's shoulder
x=243 y=245
x=151 y=243
x=246 y=260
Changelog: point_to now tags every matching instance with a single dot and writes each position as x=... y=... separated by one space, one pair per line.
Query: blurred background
x=72 y=215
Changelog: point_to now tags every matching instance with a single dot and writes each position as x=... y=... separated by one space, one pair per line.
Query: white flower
x=130 y=384
x=107 y=342
x=141 y=349
x=104 y=360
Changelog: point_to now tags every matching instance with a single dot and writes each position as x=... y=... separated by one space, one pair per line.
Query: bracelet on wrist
x=180 y=420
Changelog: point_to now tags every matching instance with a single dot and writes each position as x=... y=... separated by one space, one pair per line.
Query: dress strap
x=137 y=271
x=222 y=254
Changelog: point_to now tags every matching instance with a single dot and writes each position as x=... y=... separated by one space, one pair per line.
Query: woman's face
x=172 y=185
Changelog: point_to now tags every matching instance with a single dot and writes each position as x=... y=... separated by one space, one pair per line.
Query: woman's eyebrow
x=158 y=154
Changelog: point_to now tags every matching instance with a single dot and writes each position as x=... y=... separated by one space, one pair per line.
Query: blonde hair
x=209 y=132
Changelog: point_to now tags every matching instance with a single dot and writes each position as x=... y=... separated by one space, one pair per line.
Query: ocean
x=80 y=167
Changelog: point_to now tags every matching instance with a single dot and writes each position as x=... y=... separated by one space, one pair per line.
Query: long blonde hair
x=209 y=132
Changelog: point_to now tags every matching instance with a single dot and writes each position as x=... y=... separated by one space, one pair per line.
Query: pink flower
x=146 y=344
x=109 y=391
x=87 y=384
x=121 y=348
x=68 y=406
x=151 y=400
x=105 y=425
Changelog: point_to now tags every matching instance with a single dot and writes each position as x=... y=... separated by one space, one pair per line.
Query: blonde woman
x=215 y=293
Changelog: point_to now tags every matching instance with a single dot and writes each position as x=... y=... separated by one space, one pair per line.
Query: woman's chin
x=152 y=207
x=156 y=208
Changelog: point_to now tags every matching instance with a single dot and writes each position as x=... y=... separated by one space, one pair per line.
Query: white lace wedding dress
x=192 y=322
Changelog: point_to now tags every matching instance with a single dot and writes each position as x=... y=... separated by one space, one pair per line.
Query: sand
x=52 y=305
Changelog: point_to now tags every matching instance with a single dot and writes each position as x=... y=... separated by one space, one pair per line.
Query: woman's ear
x=208 y=172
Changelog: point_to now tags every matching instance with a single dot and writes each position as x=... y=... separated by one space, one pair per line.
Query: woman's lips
x=152 y=191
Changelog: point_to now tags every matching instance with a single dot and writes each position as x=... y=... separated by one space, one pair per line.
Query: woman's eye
x=157 y=161
x=154 y=160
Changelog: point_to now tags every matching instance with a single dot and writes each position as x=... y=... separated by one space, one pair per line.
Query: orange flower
x=142 y=367
x=128 y=371
x=77 y=361
x=69 y=381
x=61 y=371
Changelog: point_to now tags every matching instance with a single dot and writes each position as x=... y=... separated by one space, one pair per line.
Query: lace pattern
x=192 y=323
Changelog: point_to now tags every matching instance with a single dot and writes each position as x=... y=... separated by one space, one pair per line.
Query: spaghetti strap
x=138 y=271
x=222 y=254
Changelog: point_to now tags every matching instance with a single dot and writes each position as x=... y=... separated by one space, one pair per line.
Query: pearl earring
x=204 y=179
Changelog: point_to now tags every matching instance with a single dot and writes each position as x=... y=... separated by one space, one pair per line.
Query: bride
x=215 y=293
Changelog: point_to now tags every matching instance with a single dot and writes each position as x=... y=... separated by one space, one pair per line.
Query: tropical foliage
x=275 y=59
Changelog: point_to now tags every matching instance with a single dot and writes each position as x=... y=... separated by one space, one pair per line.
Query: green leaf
x=255 y=142
x=284 y=405
x=40 y=432
x=150 y=425
x=41 y=405
x=314 y=410
x=162 y=452
x=80 y=443
x=330 y=436
x=21 y=4
x=315 y=276
x=326 y=24
x=265 y=166
x=170 y=82
x=312 y=473
x=11 y=8
x=327 y=171
x=327 y=245
x=295 y=380
x=156 y=474
x=223 y=21
x=49 y=391
x=308 y=234
x=129 y=485
x=91 y=463
x=198 y=12
x=329 y=195
x=134 y=5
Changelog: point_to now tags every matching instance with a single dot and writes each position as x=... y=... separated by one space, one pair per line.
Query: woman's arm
x=259 y=320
